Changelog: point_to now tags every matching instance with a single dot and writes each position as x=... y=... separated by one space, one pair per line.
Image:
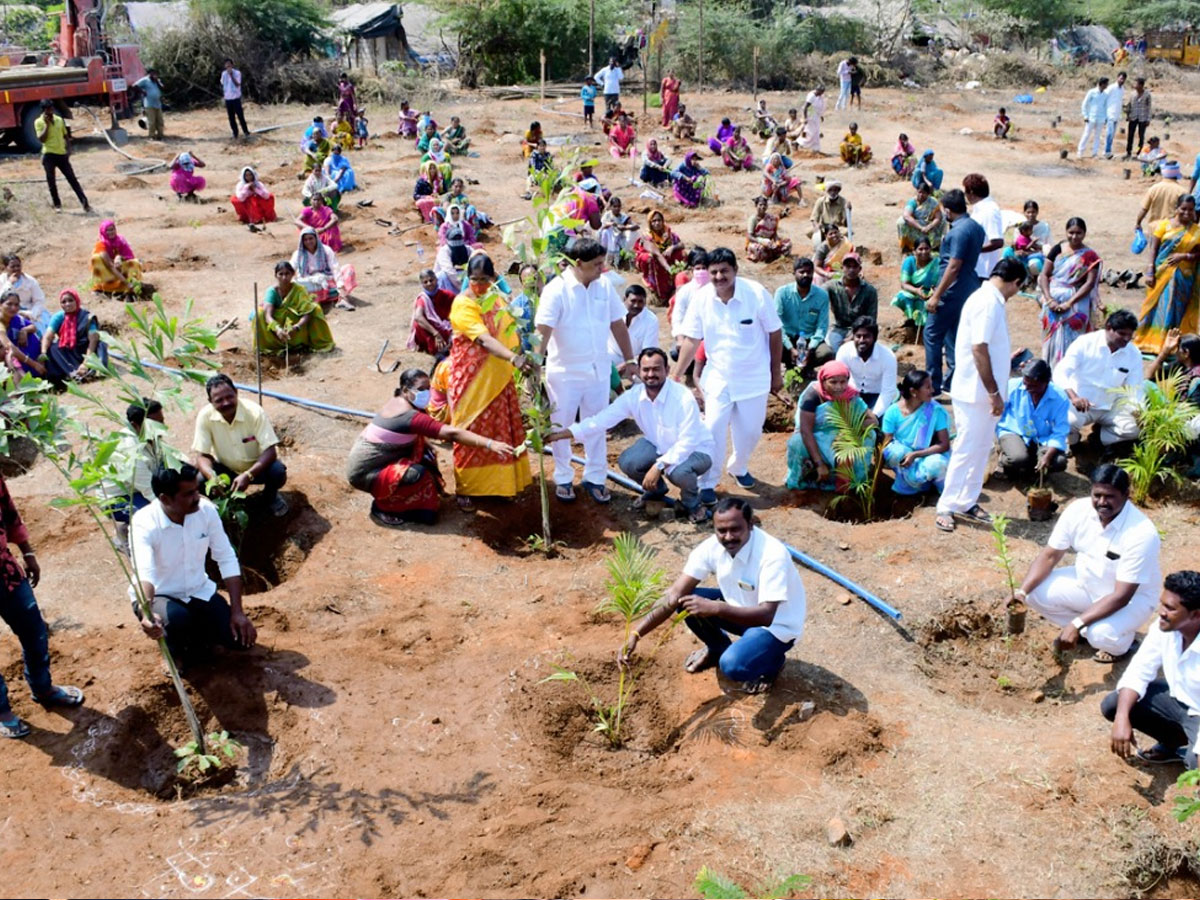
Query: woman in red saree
x=391 y=461
x=655 y=252
x=669 y=91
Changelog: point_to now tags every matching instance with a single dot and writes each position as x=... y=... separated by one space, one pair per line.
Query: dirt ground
x=399 y=739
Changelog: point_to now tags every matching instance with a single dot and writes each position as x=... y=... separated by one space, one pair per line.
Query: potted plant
x=1039 y=501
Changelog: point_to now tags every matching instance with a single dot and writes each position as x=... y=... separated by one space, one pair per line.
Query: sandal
x=1160 y=754
x=699 y=660
x=385 y=519
x=466 y=504
x=944 y=523
x=598 y=492
x=344 y=304
x=977 y=514
x=62 y=695
x=700 y=515
x=14 y=727
x=564 y=493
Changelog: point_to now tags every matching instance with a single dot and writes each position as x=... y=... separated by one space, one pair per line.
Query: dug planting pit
x=273 y=549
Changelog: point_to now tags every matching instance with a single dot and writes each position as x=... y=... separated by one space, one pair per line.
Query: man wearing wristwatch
x=19 y=609
x=577 y=312
x=1113 y=587
x=983 y=360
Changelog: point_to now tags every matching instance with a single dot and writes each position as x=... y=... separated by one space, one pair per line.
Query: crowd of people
x=578 y=330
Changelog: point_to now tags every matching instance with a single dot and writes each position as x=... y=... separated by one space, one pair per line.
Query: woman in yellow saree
x=115 y=269
x=289 y=318
x=484 y=350
x=1172 y=300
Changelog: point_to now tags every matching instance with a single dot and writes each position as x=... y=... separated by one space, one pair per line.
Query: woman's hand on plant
x=625 y=654
x=281 y=332
x=154 y=627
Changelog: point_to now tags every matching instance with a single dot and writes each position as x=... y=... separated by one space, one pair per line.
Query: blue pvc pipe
x=286 y=398
x=802 y=558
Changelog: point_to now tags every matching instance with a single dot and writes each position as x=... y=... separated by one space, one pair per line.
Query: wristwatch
x=1078 y=624
x=661 y=466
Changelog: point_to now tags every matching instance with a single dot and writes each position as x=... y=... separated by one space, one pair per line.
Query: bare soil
x=399 y=738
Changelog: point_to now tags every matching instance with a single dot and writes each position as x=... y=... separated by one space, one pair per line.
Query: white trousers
x=1116 y=424
x=976 y=432
x=1060 y=598
x=1095 y=131
x=571 y=396
x=741 y=420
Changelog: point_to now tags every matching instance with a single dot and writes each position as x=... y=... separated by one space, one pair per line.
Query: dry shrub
x=1016 y=70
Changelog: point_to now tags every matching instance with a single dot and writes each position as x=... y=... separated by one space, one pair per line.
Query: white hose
x=153 y=163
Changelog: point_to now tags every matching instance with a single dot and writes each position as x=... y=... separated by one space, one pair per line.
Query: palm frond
x=634 y=581
x=715 y=886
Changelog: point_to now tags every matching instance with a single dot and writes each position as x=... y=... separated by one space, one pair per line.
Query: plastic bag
x=1139 y=241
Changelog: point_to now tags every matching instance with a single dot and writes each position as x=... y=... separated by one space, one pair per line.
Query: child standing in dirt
x=361 y=129
x=588 y=94
x=1002 y=124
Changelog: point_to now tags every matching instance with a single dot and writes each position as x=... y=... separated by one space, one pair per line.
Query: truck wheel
x=28 y=139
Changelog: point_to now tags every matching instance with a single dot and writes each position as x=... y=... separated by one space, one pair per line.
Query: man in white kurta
x=743 y=343
x=1113 y=587
x=982 y=355
x=1094 y=112
x=577 y=312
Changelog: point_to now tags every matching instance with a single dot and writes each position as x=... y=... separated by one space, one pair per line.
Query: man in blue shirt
x=1032 y=433
x=152 y=91
x=959 y=256
x=803 y=307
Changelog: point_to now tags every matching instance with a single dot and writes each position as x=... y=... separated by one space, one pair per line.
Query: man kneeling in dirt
x=1110 y=591
x=760 y=598
x=1166 y=708
x=170 y=540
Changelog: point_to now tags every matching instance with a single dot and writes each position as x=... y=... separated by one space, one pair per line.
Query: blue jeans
x=758 y=654
x=1159 y=715
x=125 y=510
x=195 y=627
x=20 y=610
x=1109 y=131
x=636 y=460
x=271 y=478
x=941 y=330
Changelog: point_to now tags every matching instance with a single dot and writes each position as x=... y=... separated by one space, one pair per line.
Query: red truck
x=83 y=68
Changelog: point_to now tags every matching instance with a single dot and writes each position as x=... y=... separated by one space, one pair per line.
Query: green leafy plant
x=537 y=240
x=1003 y=682
x=856 y=455
x=231 y=507
x=197 y=761
x=634 y=586
x=82 y=442
x=1000 y=523
x=1187 y=805
x=793 y=380
x=1164 y=416
x=713 y=885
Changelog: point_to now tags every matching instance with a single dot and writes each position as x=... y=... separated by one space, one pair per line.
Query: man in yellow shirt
x=235 y=438
x=1162 y=198
x=55 y=136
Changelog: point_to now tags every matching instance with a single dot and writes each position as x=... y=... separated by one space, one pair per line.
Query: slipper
x=386 y=520
x=700 y=515
x=1103 y=656
x=365 y=203
x=598 y=492
x=564 y=493
x=1160 y=754
x=758 y=686
x=384 y=223
x=944 y=523
x=14 y=727
x=62 y=695
x=977 y=514
x=344 y=304
x=699 y=660
x=466 y=504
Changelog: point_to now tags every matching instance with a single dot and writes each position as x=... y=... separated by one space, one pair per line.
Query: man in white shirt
x=845 y=73
x=609 y=78
x=872 y=366
x=675 y=444
x=743 y=344
x=641 y=323
x=760 y=597
x=697 y=260
x=1093 y=372
x=170 y=540
x=982 y=354
x=1110 y=591
x=231 y=90
x=1166 y=708
x=577 y=312
x=1094 y=112
x=1115 y=97
x=986 y=212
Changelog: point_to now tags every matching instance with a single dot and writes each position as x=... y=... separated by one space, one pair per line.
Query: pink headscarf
x=116 y=246
x=835 y=369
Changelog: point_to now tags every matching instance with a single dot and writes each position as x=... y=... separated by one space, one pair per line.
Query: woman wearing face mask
x=392 y=462
x=484 y=350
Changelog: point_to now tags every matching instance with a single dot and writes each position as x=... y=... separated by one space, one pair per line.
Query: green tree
x=295 y=27
x=500 y=39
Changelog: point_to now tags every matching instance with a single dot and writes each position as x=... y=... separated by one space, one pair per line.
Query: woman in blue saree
x=918 y=433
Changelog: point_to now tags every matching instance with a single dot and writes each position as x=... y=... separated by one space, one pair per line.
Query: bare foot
x=699 y=660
